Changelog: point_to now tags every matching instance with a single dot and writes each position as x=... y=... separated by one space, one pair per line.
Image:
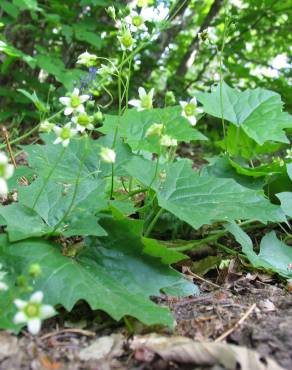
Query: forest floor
x=253 y=309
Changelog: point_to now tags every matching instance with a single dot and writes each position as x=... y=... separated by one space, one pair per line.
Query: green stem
x=27 y=134
x=69 y=209
x=153 y=222
x=59 y=157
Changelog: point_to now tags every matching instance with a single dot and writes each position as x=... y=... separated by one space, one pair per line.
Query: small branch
x=87 y=333
x=198 y=277
x=237 y=324
x=8 y=146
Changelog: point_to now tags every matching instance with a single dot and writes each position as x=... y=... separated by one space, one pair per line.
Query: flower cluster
x=79 y=122
x=6 y=171
x=32 y=312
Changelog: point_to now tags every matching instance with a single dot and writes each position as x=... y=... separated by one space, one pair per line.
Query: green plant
x=81 y=189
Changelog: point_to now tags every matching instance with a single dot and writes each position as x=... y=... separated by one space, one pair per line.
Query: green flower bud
x=98 y=118
x=34 y=270
x=169 y=98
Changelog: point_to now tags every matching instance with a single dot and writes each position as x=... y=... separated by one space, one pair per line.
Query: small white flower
x=108 y=155
x=126 y=40
x=83 y=122
x=289 y=154
x=46 y=126
x=145 y=101
x=33 y=312
x=64 y=134
x=87 y=59
x=155 y=129
x=190 y=110
x=3 y=286
x=137 y=21
x=167 y=140
x=74 y=103
x=6 y=171
x=208 y=36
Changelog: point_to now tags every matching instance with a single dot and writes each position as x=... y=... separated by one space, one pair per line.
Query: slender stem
x=69 y=209
x=27 y=134
x=117 y=127
x=153 y=222
x=59 y=157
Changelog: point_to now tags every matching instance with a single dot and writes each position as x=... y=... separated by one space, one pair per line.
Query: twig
x=76 y=331
x=198 y=277
x=7 y=143
x=236 y=325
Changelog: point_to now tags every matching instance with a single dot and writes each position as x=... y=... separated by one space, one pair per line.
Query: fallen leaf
x=185 y=350
x=8 y=345
x=105 y=347
x=51 y=365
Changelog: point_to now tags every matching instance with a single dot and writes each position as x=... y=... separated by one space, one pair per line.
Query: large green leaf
x=112 y=274
x=133 y=126
x=200 y=200
x=258 y=112
x=274 y=254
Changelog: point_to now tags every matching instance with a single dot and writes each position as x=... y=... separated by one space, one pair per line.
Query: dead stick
x=237 y=324
x=198 y=277
x=77 y=331
x=8 y=146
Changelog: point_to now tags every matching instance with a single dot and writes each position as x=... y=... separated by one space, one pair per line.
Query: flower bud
x=107 y=155
x=169 y=98
x=34 y=270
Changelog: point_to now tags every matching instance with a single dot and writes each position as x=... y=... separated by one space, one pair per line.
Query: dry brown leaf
x=7 y=345
x=185 y=350
x=106 y=347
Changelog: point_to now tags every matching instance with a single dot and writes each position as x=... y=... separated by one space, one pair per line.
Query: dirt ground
x=263 y=303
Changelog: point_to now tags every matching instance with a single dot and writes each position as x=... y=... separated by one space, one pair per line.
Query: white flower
x=289 y=154
x=167 y=140
x=74 y=103
x=190 y=110
x=3 y=286
x=83 y=122
x=145 y=101
x=108 y=155
x=155 y=129
x=64 y=134
x=87 y=59
x=33 y=312
x=6 y=171
x=126 y=40
x=46 y=126
x=208 y=36
x=136 y=21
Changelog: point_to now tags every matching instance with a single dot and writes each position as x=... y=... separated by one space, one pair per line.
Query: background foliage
x=40 y=42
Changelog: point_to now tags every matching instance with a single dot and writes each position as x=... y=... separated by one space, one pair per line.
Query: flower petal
x=193 y=120
x=3 y=187
x=47 y=311
x=66 y=142
x=65 y=100
x=19 y=318
x=194 y=101
x=84 y=98
x=200 y=110
x=183 y=104
x=75 y=92
x=37 y=297
x=57 y=141
x=80 y=109
x=151 y=93
x=34 y=326
x=9 y=171
x=142 y=92
x=68 y=111
x=135 y=103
